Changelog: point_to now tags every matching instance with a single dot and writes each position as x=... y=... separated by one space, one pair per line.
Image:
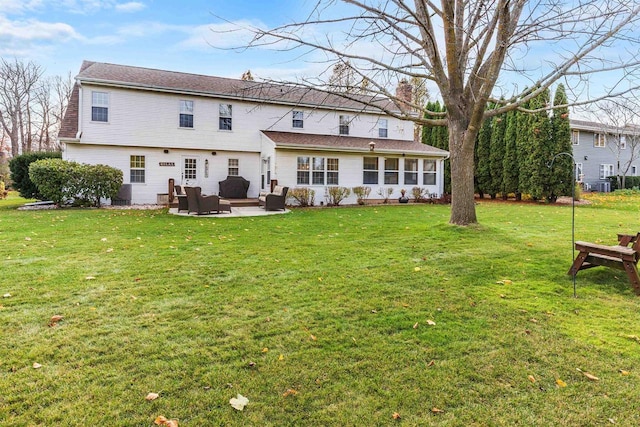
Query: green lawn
x=318 y=317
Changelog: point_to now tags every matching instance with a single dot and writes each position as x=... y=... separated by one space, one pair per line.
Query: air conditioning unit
x=604 y=187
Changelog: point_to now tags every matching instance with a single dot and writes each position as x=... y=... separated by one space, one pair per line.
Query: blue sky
x=178 y=35
x=173 y=35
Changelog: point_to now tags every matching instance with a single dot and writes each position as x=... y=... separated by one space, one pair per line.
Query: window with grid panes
x=137 y=169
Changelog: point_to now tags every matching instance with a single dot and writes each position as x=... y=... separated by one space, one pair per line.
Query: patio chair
x=275 y=200
x=182 y=199
x=205 y=204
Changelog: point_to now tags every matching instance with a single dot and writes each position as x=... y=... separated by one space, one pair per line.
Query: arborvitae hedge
x=19 y=167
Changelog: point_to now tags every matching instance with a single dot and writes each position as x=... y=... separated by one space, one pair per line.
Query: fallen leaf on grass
x=7 y=295
x=54 y=320
x=431 y=323
x=89 y=278
x=415 y=326
x=416 y=269
x=36 y=365
x=27 y=238
x=560 y=383
x=532 y=378
x=281 y=357
x=623 y=372
x=313 y=337
x=239 y=402
x=588 y=375
x=433 y=362
x=152 y=396
x=395 y=416
x=265 y=350
x=436 y=410
x=504 y=282
x=163 y=421
x=405 y=305
x=289 y=392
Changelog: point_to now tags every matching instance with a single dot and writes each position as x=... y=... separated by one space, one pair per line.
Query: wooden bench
x=620 y=256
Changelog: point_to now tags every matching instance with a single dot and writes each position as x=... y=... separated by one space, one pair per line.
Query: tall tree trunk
x=461 y=145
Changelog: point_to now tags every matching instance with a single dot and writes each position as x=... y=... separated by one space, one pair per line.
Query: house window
x=303 y=170
x=429 y=172
x=634 y=171
x=623 y=142
x=344 y=125
x=575 y=137
x=234 y=167
x=225 y=117
x=370 y=170
x=606 y=171
x=99 y=107
x=579 y=175
x=186 y=114
x=411 y=171
x=318 y=171
x=137 y=169
x=190 y=168
x=391 y=171
x=298 y=119
x=382 y=128
x=332 y=171
x=598 y=140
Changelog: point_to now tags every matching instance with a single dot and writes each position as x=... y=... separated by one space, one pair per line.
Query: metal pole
x=573 y=212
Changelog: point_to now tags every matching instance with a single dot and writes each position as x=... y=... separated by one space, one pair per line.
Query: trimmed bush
x=361 y=193
x=61 y=181
x=629 y=182
x=419 y=194
x=99 y=182
x=303 y=196
x=19 y=167
x=336 y=194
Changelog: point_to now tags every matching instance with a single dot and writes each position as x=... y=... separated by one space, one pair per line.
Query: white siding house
x=158 y=125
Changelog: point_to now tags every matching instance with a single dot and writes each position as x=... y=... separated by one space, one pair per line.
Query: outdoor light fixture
x=372 y=146
x=586 y=157
x=166 y=151
x=213 y=153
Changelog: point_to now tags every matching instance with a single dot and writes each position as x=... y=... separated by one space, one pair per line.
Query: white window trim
x=599 y=140
x=395 y=171
x=229 y=116
x=434 y=172
x=295 y=119
x=100 y=105
x=576 y=140
x=132 y=168
x=604 y=168
x=384 y=128
x=187 y=112
x=344 y=123
x=233 y=164
x=376 y=170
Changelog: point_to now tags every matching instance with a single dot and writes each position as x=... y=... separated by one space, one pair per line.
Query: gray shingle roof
x=351 y=143
x=196 y=84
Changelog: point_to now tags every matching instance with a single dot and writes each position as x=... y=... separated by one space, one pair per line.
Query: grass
x=331 y=303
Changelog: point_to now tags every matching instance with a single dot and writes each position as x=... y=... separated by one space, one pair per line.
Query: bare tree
x=463 y=47
x=618 y=119
x=18 y=82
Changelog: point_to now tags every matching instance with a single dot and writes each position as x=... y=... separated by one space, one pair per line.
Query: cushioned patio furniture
x=234 y=187
x=205 y=204
x=275 y=200
x=182 y=199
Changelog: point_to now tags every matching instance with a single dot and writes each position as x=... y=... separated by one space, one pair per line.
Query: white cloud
x=130 y=7
x=33 y=30
x=18 y=6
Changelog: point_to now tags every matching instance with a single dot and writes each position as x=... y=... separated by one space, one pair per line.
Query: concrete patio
x=236 y=211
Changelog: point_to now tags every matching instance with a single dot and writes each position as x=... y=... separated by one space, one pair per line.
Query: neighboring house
x=158 y=125
x=602 y=150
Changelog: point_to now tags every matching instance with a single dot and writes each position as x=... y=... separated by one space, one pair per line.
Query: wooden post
x=171 y=189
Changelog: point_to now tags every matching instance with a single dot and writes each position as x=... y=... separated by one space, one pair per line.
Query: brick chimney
x=404 y=92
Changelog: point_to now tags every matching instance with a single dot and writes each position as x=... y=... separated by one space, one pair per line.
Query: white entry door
x=190 y=171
